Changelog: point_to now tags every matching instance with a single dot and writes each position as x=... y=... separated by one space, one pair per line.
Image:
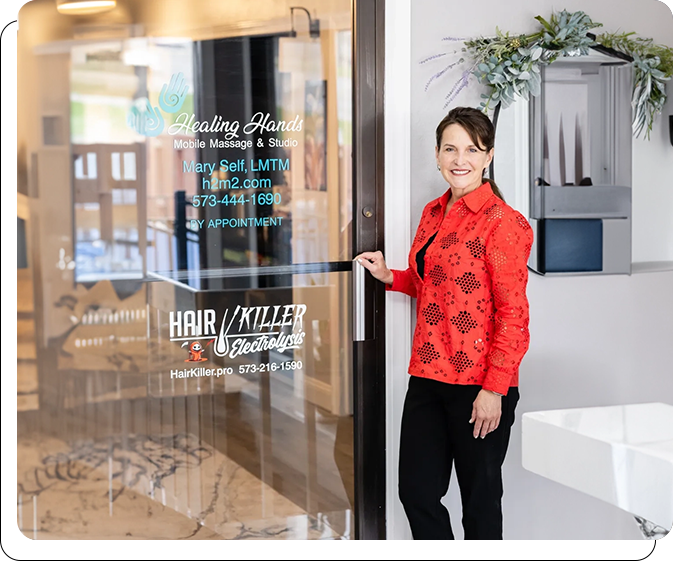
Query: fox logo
x=196 y=351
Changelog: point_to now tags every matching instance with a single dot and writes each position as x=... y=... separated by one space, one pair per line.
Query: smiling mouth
x=460 y=171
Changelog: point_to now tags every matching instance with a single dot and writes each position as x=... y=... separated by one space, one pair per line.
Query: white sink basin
x=621 y=454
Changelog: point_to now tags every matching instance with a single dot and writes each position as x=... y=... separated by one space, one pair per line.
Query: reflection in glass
x=130 y=427
x=582 y=107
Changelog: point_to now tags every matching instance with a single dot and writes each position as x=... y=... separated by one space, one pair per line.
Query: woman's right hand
x=374 y=261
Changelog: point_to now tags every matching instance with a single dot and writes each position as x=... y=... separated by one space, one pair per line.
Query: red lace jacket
x=471 y=309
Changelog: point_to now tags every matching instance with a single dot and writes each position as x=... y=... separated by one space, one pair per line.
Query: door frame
x=369 y=356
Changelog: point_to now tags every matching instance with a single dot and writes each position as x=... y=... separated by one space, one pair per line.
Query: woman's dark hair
x=478 y=126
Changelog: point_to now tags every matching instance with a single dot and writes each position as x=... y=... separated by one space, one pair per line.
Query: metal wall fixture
x=313 y=24
x=580 y=167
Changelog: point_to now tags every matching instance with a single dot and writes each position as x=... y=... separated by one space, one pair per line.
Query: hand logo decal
x=146 y=119
x=173 y=95
x=134 y=119
x=149 y=121
x=154 y=120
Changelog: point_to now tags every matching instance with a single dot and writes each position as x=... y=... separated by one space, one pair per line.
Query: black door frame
x=369 y=356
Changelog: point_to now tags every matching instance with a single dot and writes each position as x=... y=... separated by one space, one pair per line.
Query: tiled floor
x=153 y=489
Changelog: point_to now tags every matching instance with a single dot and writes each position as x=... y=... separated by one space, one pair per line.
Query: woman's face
x=461 y=162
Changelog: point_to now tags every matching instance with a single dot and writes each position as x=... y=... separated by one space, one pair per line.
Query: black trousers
x=436 y=434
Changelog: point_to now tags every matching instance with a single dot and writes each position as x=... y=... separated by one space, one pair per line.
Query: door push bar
x=358 y=301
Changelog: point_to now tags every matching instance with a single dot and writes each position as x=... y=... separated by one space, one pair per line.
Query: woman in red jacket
x=467 y=270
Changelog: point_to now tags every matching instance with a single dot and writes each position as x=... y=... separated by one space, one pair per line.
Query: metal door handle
x=358 y=301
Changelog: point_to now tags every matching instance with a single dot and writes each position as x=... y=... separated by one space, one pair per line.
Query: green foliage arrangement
x=510 y=64
x=652 y=68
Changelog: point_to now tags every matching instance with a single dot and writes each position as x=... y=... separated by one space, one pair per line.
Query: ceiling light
x=77 y=7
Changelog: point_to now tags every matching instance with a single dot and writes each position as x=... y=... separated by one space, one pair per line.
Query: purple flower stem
x=458 y=87
x=433 y=57
x=441 y=72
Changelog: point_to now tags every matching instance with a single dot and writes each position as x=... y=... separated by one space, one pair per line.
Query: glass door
x=197 y=375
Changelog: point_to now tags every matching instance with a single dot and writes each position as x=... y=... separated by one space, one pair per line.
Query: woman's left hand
x=486 y=411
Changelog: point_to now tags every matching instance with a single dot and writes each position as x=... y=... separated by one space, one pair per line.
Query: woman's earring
x=438 y=168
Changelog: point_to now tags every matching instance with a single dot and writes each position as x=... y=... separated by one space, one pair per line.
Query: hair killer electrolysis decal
x=245 y=331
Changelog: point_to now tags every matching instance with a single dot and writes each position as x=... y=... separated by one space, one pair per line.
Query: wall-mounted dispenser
x=580 y=167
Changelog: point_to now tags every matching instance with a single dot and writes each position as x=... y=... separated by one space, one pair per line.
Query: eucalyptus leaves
x=649 y=93
x=652 y=68
x=519 y=74
x=510 y=64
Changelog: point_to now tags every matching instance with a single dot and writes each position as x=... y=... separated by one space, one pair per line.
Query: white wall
x=595 y=340
x=652 y=203
x=432 y=20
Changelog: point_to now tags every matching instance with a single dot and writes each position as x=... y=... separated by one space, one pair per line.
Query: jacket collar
x=474 y=200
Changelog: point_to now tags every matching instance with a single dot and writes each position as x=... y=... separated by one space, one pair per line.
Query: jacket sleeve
x=403 y=281
x=507 y=251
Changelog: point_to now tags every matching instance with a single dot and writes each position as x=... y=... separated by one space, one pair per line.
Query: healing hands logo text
x=248 y=330
x=148 y=120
